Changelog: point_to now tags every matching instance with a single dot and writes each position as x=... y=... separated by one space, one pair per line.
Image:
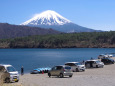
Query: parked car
x=105 y=56
x=108 y=61
x=102 y=56
x=93 y=63
x=4 y=76
x=60 y=71
x=76 y=66
x=40 y=70
x=9 y=73
x=110 y=55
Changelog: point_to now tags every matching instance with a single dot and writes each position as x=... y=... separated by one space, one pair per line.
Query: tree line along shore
x=63 y=40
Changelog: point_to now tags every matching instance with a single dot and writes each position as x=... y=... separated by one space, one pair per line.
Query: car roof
x=103 y=55
x=92 y=60
x=5 y=65
x=107 y=58
x=72 y=62
x=110 y=55
x=63 y=65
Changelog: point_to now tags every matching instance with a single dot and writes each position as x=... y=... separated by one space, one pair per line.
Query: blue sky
x=95 y=14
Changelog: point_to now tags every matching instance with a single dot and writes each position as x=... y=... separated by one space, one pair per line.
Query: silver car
x=10 y=70
x=60 y=71
x=94 y=63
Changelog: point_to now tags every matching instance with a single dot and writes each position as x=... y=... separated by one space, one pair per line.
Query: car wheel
x=83 y=70
x=77 y=70
x=61 y=75
x=97 y=66
x=17 y=80
x=49 y=74
x=7 y=80
x=70 y=75
x=58 y=76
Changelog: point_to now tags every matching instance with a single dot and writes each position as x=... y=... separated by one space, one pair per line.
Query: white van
x=13 y=74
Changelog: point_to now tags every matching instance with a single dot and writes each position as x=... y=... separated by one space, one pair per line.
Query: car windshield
x=11 y=69
x=110 y=59
x=97 y=61
x=78 y=63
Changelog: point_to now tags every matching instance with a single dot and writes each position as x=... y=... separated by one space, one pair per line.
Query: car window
x=78 y=63
x=59 y=67
x=54 y=68
x=97 y=61
x=92 y=61
x=67 y=67
x=70 y=64
x=104 y=59
x=110 y=59
x=11 y=69
x=87 y=62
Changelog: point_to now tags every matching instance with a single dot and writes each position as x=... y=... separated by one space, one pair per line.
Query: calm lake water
x=35 y=58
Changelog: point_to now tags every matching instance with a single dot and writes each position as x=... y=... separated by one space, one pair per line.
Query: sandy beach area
x=91 y=77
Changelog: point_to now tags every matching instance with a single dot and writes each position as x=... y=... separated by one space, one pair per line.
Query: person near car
x=22 y=70
x=83 y=62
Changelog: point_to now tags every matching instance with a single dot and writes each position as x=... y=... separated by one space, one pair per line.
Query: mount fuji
x=51 y=19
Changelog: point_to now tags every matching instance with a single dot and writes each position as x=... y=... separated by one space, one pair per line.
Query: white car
x=102 y=56
x=93 y=63
x=110 y=55
x=76 y=66
x=13 y=74
x=105 y=56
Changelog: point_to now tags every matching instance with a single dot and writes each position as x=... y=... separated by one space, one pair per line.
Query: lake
x=35 y=58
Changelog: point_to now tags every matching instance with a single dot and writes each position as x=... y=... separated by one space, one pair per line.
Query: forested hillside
x=71 y=40
x=13 y=31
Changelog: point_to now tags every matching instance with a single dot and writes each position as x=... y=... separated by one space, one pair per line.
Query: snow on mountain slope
x=51 y=19
x=47 y=18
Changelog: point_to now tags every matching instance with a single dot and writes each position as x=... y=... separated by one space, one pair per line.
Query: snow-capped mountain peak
x=51 y=19
x=48 y=17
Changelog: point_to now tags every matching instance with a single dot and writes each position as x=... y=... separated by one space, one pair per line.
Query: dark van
x=107 y=61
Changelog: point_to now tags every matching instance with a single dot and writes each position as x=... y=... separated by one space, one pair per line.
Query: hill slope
x=13 y=31
x=73 y=40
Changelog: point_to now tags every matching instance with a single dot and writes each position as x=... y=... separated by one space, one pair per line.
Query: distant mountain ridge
x=66 y=28
x=51 y=19
x=13 y=31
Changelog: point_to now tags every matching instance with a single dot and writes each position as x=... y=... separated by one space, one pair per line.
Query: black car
x=108 y=61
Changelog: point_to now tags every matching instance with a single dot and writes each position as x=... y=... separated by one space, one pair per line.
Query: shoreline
x=51 y=47
x=91 y=77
